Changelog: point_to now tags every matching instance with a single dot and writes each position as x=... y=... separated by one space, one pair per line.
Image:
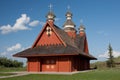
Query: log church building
x=58 y=50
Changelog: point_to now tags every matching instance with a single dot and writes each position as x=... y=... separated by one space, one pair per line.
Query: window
x=50 y=63
x=48 y=31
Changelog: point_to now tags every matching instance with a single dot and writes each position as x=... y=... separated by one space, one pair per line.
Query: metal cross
x=68 y=7
x=50 y=6
x=81 y=21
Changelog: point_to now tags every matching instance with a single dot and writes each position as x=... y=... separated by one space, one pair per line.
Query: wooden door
x=49 y=65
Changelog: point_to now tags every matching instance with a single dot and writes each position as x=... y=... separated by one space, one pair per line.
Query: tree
x=5 y=62
x=110 y=61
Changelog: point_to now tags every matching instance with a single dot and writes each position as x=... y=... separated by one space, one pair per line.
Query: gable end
x=48 y=36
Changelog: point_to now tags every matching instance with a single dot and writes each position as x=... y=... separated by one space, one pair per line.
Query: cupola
x=50 y=16
x=69 y=26
x=81 y=30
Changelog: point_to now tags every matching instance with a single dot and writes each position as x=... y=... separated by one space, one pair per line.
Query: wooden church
x=58 y=50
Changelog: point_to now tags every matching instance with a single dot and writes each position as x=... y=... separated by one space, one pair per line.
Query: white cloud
x=12 y=50
x=105 y=55
x=6 y=29
x=42 y=23
x=21 y=24
x=34 y=23
x=14 y=47
x=102 y=33
x=57 y=19
x=3 y=53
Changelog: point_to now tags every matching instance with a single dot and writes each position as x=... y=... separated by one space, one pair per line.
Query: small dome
x=68 y=14
x=69 y=25
x=69 y=22
x=50 y=16
x=82 y=28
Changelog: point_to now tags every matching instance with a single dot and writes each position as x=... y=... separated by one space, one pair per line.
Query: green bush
x=5 y=62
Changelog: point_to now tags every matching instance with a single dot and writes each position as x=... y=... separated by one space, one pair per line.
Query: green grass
x=3 y=69
x=107 y=74
x=6 y=74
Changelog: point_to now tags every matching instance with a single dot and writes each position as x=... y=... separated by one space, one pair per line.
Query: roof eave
x=41 y=55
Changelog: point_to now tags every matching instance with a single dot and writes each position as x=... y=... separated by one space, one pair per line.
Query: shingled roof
x=73 y=47
x=69 y=22
x=64 y=36
x=52 y=50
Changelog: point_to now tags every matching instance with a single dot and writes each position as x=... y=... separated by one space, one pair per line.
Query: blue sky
x=22 y=20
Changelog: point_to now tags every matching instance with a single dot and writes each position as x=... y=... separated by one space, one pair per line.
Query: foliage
x=117 y=60
x=110 y=61
x=99 y=65
x=5 y=62
x=102 y=64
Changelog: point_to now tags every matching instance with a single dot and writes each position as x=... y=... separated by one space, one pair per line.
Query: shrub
x=10 y=63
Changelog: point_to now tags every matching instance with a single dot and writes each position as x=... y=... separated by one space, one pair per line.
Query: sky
x=22 y=20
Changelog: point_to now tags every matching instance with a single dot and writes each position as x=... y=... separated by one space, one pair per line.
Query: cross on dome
x=50 y=6
x=81 y=28
x=50 y=16
x=81 y=21
x=68 y=7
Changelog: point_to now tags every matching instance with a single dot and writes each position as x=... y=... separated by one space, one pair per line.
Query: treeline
x=5 y=62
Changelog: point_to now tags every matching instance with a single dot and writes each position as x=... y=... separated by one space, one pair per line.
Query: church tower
x=83 y=34
x=69 y=26
x=81 y=30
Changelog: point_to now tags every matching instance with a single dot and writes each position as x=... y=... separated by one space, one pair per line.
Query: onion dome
x=69 y=25
x=82 y=28
x=50 y=16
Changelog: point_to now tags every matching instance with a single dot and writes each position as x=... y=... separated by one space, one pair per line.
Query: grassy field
x=5 y=74
x=11 y=69
x=107 y=74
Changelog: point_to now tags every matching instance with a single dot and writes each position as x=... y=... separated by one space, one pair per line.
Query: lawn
x=3 y=69
x=108 y=74
x=5 y=74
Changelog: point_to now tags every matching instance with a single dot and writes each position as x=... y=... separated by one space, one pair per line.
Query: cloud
x=3 y=53
x=57 y=19
x=42 y=23
x=12 y=50
x=21 y=24
x=14 y=47
x=34 y=23
x=105 y=55
x=102 y=33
